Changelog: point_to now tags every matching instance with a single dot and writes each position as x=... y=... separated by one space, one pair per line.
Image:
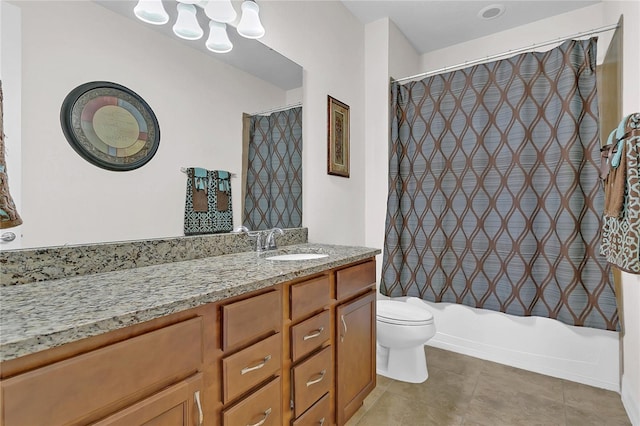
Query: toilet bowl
x=402 y=330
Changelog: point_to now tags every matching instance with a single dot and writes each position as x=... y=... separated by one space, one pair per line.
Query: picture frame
x=110 y=126
x=338 y=138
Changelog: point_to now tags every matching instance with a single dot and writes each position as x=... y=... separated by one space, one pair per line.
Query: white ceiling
x=430 y=25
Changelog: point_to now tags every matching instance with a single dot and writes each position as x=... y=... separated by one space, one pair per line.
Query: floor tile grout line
x=473 y=394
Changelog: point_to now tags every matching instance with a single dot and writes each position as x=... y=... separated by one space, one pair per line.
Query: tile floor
x=463 y=390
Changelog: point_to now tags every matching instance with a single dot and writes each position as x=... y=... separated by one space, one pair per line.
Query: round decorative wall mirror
x=110 y=126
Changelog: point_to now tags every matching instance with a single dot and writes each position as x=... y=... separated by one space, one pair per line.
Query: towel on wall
x=621 y=233
x=616 y=176
x=207 y=207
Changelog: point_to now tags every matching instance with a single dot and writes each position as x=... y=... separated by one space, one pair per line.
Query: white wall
x=199 y=103
x=630 y=283
x=387 y=54
x=328 y=42
x=538 y=344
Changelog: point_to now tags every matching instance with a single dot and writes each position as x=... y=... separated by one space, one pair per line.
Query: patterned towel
x=207 y=208
x=621 y=234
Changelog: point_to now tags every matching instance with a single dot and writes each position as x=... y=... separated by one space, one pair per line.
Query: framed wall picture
x=338 y=135
x=110 y=126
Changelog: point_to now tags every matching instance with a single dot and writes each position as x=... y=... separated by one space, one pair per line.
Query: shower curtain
x=494 y=197
x=274 y=171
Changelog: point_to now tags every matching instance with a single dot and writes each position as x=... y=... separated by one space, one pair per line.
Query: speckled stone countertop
x=46 y=314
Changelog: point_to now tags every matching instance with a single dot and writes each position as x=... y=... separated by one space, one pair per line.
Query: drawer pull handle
x=321 y=421
x=264 y=418
x=318 y=380
x=314 y=334
x=344 y=324
x=196 y=396
x=255 y=367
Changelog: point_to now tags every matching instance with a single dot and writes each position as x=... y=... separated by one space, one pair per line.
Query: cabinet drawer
x=250 y=319
x=263 y=407
x=310 y=335
x=355 y=278
x=318 y=415
x=312 y=379
x=250 y=366
x=78 y=389
x=310 y=296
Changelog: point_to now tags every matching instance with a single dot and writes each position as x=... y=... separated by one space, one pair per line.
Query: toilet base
x=407 y=365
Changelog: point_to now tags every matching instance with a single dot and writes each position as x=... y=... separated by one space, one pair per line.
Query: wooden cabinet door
x=87 y=387
x=177 y=405
x=355 y=354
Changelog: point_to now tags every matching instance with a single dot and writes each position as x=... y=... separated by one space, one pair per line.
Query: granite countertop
x=46 y=314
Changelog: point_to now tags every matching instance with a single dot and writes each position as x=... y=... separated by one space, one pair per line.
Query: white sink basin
x=298 y=256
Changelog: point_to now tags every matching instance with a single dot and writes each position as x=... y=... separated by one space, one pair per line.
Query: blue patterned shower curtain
x=494 y=196
x=274 y=173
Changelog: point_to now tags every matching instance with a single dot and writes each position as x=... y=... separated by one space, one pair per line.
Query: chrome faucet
x=270 y=244
x=256 y=234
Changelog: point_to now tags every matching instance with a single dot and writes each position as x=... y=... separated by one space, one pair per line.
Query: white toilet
x=402 y=330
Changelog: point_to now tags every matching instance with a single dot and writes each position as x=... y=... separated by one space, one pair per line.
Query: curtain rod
x=297 y=104
x=511 y=52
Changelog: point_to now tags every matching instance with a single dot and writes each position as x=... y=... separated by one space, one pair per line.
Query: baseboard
x=631 y=403
x=526 y=361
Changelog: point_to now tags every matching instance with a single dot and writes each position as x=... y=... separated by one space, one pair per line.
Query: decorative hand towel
x=207 y=208
x=614 y=181
x=621 y=233
x=200 y=193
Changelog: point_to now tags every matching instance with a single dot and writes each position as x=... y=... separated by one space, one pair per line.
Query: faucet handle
x=259 y=244
x=271 y=238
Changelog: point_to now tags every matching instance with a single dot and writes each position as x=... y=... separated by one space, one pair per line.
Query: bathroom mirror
x=198 y=96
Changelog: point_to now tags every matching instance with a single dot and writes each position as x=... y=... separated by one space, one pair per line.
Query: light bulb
x=186 y=25
x=151 y=12
x=250 y=26
x=218 y=40
x=220 y=10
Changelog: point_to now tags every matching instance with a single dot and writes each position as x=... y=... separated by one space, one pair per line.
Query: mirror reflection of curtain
x=273 y=195
x=494 y=194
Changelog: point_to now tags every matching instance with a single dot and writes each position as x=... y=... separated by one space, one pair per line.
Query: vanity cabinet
x=155 y=375
x=333 y=340
x=252 y=360
x=311 y=350
x=355 y=338
x=298 y=353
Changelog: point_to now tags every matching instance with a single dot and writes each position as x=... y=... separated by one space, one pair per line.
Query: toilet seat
x=401 y=313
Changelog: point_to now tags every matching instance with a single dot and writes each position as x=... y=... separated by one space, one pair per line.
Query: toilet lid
x=395 y=312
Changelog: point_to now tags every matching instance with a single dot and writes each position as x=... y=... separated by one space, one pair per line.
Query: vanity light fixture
x=151 y=12
x=186 y=25
x=219 y=13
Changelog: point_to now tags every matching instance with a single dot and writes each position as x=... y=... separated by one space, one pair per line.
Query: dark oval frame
x=70 y=120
